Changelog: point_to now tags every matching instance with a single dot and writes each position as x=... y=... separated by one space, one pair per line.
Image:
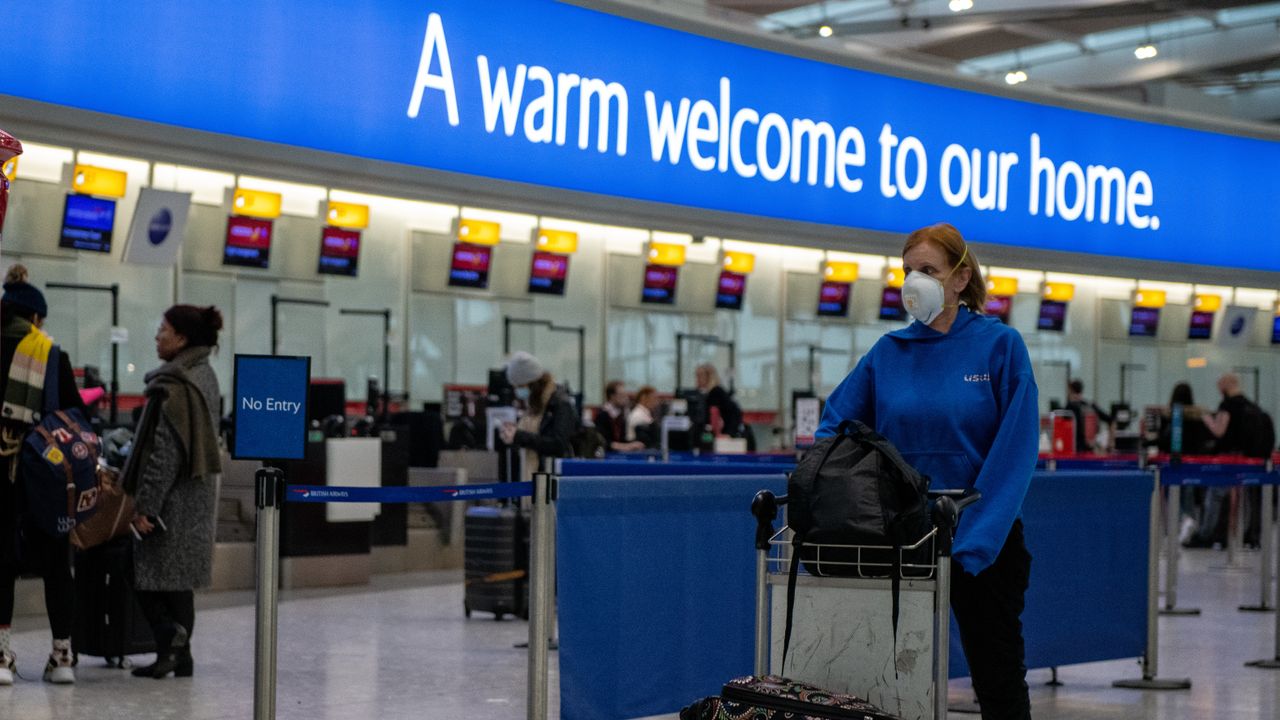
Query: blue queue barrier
x=1087 y=533
x=656 y=577
x=613 y=468
x=656 y=583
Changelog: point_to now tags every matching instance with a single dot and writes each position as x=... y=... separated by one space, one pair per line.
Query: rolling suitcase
x=109 y=621
x=496 y=559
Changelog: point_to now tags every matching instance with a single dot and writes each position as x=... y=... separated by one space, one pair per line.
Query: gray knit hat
x=523 y=369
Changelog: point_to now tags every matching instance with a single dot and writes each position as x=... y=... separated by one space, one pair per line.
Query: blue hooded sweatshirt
x=962 y=408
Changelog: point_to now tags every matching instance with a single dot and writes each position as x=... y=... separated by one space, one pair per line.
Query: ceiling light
x=960 y=5
x=1013 y=77
x=1145 y=52
x=825 y=31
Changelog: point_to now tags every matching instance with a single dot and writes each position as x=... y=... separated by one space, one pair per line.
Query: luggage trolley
x=842 y=637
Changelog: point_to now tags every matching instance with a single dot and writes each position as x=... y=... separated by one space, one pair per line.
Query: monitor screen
x=999 y=306
x=1053 y=315
x=732 y=287
x=1275 y=331
x=1201 y=327
x=1143 y=322
x=548 y=273
x=470 y=266
x=660 y=284
x=248 y=242
x=87 y=222
x=833 y=299
x=339 y=251
x=891 y=304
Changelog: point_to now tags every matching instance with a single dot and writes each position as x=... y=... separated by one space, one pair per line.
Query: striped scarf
x=24 y=393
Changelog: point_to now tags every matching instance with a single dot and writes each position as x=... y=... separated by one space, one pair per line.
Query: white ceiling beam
x=1260 y=104
x=1113 y=68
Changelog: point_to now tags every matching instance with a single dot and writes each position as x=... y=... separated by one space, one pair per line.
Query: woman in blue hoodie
x=955 y=393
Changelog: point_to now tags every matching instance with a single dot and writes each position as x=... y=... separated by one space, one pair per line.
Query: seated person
x=642 y=421
x=611 y=419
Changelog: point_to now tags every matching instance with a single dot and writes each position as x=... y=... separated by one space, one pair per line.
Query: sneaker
x=1188 y=529
x=8 y=666
x=60 y=669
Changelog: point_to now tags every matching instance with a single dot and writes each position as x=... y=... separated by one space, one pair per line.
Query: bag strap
x=796 y=543
x=66 y=470
x=66 y=420
x=895 y=589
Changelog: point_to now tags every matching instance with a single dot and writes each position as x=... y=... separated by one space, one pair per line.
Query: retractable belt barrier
x=272 y=492
x=394 y=495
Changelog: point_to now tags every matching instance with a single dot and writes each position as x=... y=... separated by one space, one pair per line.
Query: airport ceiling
x=1220 y=58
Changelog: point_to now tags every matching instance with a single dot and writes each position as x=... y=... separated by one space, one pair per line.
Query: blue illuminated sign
x=270 y=410
x=553 y=94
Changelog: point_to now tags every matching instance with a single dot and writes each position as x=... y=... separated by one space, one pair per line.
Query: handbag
x=113 y=516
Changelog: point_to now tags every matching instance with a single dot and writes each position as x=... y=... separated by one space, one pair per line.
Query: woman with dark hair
x=955 y=392
x=1197 y=439
x=26 y=356
x=172 y=473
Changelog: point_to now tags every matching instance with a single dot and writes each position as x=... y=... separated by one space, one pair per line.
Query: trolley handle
x=948 y=504
x=764 y=506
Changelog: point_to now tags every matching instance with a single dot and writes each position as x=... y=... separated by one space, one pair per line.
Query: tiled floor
x=401 y=649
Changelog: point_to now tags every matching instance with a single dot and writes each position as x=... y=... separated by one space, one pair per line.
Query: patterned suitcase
x=776 y=698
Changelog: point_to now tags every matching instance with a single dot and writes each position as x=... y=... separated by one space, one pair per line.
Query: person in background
x=643 y=418
x=956 y=393
x=547 y=426
x=24 y=361
x=611 y=419
x=173 y=471
x=1080 y=407
x=1237 y=425
x=708 y=381
x=1196 y=440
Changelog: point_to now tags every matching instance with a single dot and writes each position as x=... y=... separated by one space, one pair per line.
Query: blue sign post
x=270 y=409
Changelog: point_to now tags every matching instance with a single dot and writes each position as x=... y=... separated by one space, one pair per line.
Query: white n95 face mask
x=522 y=393
x=922 y=296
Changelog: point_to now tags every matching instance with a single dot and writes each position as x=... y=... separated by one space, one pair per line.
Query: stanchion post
x=1150 y=658
x=942 y=637
x=1264 y=544
x=269 y=492
x=1172 y=550
x=540 y=598
x=762 y=613
x=1272 y=663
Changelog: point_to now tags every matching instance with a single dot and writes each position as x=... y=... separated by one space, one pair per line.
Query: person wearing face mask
x=955 y=392
x=549 y=421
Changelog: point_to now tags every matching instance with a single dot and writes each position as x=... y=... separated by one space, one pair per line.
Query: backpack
x=1261 y=439
x=854 y=488
x=58 y=464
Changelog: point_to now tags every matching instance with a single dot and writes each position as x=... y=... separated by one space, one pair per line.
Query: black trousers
x=51 y=558
x=988 y=610
x=164 y=609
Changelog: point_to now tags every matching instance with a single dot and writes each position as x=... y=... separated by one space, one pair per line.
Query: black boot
x=178 y=658
x=164 y=638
